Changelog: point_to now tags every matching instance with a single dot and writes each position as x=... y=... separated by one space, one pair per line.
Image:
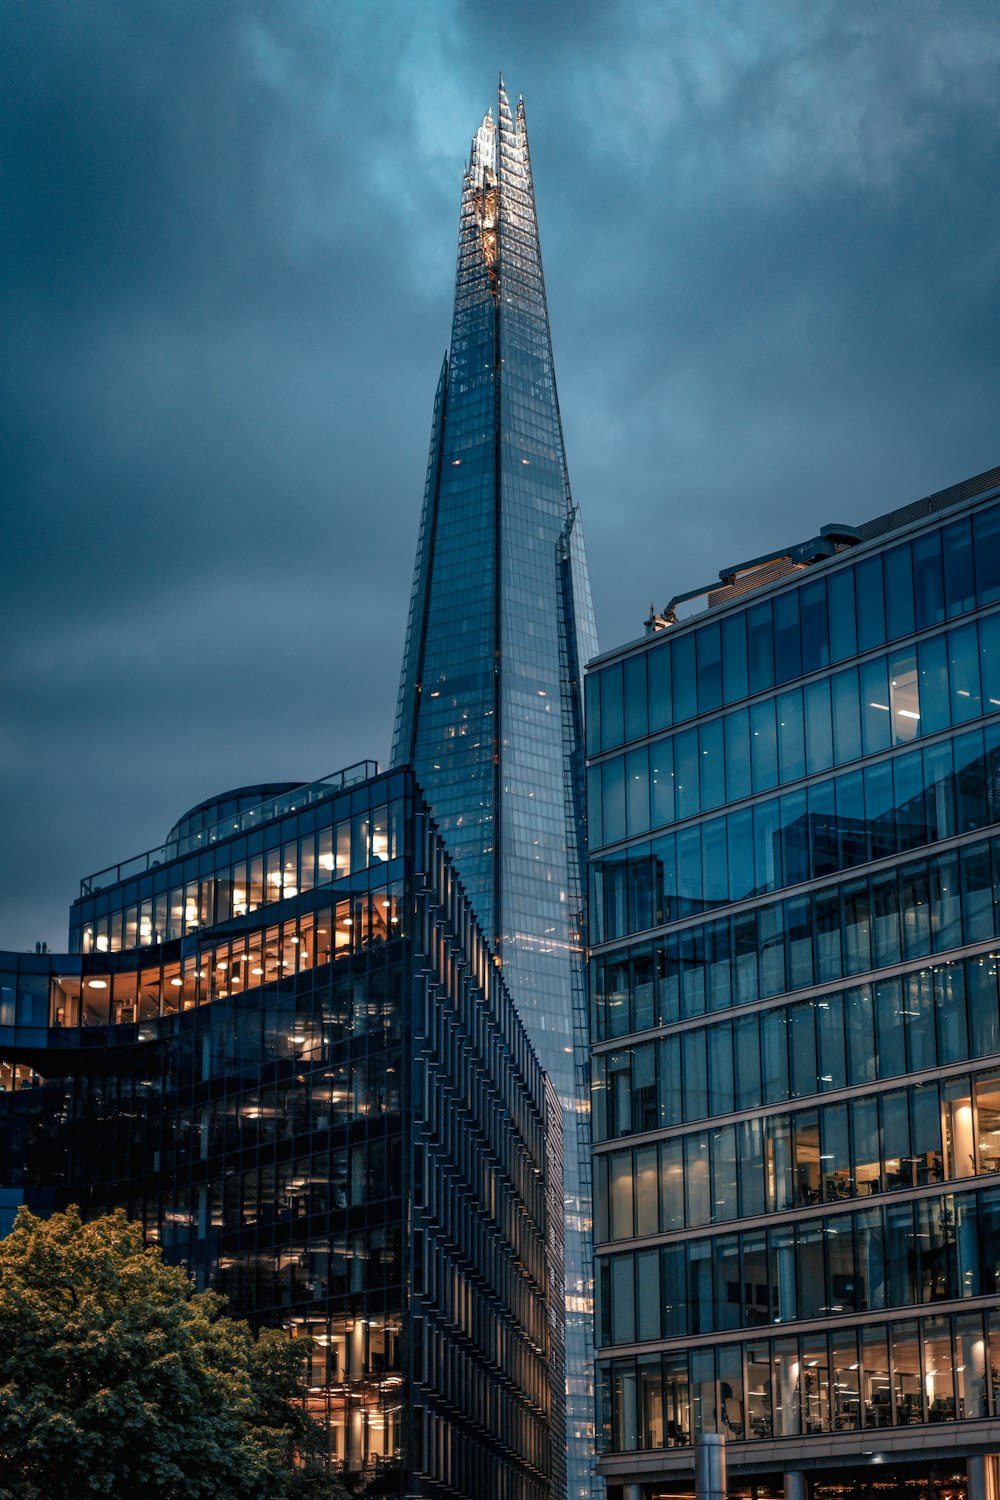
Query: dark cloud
x=226 y=257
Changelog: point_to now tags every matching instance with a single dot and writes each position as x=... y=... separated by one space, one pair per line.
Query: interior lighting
x=221 y=964
x=256 y=971
x=883 y=706
x=97 y=984
x=907 y=713
x=177 y=983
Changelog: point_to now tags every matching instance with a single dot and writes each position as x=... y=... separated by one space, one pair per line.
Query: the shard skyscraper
x=500 y=625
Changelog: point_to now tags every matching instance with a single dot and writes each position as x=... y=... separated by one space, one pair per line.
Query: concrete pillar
x=710 y=1466
x=632 y=1492
x=795 y=1485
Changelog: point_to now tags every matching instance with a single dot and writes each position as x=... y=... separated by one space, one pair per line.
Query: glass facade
x=794 y=830
x=500 y=623
x=292 y=1056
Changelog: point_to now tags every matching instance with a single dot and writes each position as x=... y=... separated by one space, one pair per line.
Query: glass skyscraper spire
x=500 y=625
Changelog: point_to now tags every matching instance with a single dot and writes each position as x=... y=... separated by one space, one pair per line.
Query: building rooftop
x=744 y=578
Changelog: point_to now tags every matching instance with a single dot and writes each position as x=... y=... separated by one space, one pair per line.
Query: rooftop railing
x=226 y=828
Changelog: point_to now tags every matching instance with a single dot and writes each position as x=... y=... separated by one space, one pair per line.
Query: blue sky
x=226 y=259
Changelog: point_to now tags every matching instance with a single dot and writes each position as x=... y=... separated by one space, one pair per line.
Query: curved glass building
x=490 y=712
x=281 y=1042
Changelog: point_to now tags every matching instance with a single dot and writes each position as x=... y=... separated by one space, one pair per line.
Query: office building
x=281 y=1042
x=794 y=822
x=500 y=622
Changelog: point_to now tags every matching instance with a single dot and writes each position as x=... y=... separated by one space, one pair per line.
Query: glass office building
x=281 y=1042
x=794 y=822
x=489 y=705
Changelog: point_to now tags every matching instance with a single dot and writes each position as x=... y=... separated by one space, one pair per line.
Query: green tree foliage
x=118 y=1379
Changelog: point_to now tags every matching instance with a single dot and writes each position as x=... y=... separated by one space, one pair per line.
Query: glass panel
x=870 y=1249
x=671 y=1185
x=918 y=1011
x=737 y=738
x=814 y=627
x=636 y=717
x=906 y=1383
x=725 y=1200
x=622 y=1299
x=830 y=1042
x=846 y=716
x=700 y=1300
x=709 y=650
x=988 y=1121
x=898 y=591
x=904 y=696
x=758 y=1404
x=647 y=1288
x=959 y=586
x=646 y=1208
x=835 y=1159
x=970 y=1366
x=661 y=782
x=697 y=1181
x=727 y=1297
x=712 y=765
x=925 y=1133
x=876 y=708
x=785 y=1387
x=963 y=671
x=734 y=657
x=650 y=1399
x=845 y=1380
x=612 y=707
x=932 y=661
x=760 y=647
x=787 y=636
x=809 y=1270
x=815 y=1384
x=791 y=736
x=819 y=726
x=957 y=1128
x=685 y=679
x=658 y=675
x=986 y=550
x=676 y=1401
x=871 y=603
x=928 y=581
x=876 y=1392
x=703 y=1402
x=620 y=1195
x=613 y=800
x=623 y=1412
x=732 y=1422
x=637 y=790
x=989 y=662
x=843 y=628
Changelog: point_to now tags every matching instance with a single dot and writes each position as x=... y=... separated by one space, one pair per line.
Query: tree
x=117 y=1378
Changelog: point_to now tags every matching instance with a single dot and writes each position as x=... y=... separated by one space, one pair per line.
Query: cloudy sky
x=227 y=247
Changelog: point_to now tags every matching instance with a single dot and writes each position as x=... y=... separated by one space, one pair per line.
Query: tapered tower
x=500 y=625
